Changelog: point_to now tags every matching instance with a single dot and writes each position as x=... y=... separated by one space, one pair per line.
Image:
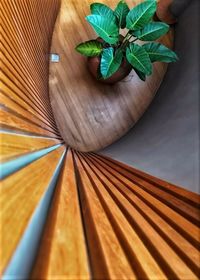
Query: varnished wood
x=188 y=229
x=185 y=208
x=123 y=229
x=63 y=245
x=16 y=210
x=190 y=197
x=91 y=115
x=153 y=214
x=107 y=256
x=12 y=145
x=107 y=220
x=19 y=110
x=123 y=223
x=25 y=41
x=13 y=121
x=26 y=29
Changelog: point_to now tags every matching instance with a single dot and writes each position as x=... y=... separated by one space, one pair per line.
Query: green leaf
x=152 y=31
x=121 y=12
x=102 y=10
x=90 y=48
x=106 y=28
x=141 y=15
x=110 y=63
x=139 y=59
x=140 y=74
x=158 y=52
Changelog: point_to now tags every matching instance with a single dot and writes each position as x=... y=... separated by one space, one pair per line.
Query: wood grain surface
x=91 y=115
x=106 y=220
x=26 y=31
x=130 y=231
x=63 y=245
x=13 y=145
x=16 y=208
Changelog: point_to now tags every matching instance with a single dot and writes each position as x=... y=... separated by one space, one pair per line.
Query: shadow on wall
x=165 y=142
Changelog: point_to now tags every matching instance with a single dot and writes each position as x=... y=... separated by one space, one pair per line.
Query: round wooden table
x=91 y=115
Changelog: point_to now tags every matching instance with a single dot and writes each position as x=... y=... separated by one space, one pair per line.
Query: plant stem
x=134 y=40
x=126 y=39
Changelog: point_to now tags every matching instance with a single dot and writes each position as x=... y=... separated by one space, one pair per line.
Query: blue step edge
x=23 y=258
x=9 y=167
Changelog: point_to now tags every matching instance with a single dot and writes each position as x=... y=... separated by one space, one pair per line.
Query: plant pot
x=163 y=12
x=94 y=64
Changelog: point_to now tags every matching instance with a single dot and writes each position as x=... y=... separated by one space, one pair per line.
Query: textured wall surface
x=165 y=142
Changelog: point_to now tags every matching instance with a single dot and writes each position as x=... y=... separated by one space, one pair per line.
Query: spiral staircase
x=67 y=214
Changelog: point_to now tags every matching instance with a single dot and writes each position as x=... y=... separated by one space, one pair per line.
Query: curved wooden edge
x=91 y=115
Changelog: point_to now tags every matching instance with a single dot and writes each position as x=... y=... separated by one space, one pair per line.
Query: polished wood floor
x=91 y=115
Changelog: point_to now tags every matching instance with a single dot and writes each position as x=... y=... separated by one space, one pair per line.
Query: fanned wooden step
x=26 y=36
x=126 y=229
x=71 y=215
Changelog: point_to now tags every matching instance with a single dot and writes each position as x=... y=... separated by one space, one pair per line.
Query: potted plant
x=112 y=56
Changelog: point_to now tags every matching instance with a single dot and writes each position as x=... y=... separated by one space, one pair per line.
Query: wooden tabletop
x=91 y=115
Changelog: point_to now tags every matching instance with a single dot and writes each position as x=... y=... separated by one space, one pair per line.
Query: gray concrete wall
x=165 y=142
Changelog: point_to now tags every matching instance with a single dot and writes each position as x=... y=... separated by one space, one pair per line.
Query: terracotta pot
x=94 y=63
x=163 y=12
x=124 y=70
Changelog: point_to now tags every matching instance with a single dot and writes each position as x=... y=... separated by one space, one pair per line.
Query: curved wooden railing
x=72 y=215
